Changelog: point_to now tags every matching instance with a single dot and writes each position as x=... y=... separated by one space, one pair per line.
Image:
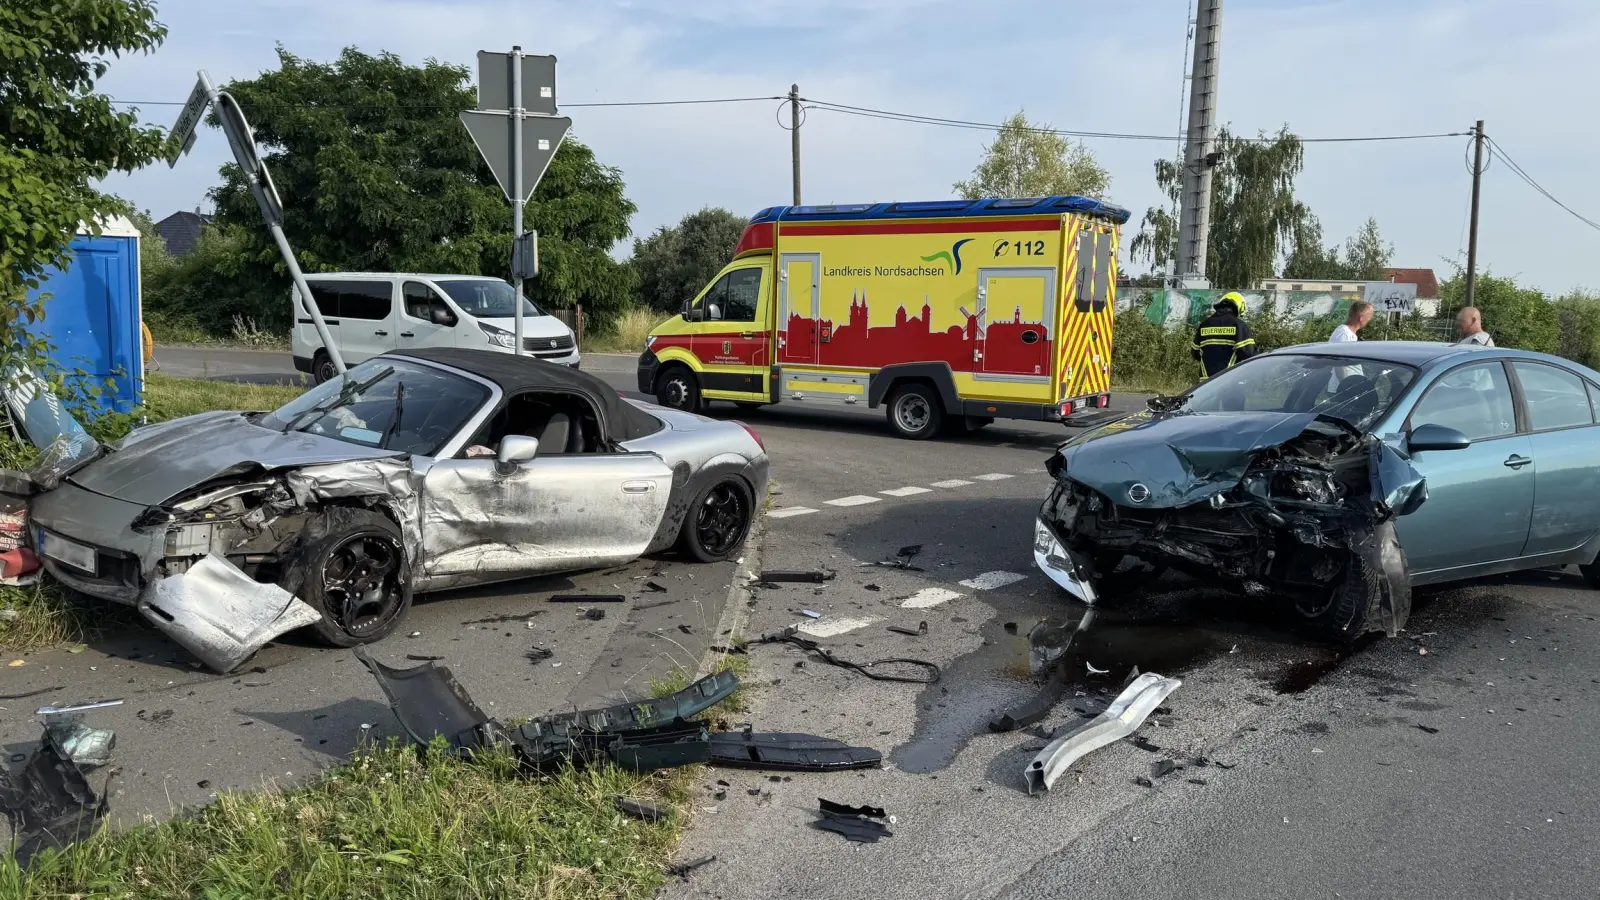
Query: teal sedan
x=1338 y=476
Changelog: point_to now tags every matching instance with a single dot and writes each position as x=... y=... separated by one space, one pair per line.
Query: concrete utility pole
x=519 y=199
x=1472 y=239
x=1194 y=220
x=794 y=137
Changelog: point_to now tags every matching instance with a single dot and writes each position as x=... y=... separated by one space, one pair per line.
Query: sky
x=1326 y=68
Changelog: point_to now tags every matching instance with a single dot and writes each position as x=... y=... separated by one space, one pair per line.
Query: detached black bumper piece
x=49 y=801
x=642 y=737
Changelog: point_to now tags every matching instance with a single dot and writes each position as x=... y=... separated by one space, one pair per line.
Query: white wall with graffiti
x=1175 y=307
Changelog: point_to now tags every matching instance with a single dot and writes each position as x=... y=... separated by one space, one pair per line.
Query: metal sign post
x=517 y=141
x=243 y=141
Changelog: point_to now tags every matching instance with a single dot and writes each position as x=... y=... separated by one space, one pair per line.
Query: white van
x=369 y=313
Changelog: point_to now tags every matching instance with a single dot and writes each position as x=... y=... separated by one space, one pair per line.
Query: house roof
x=181 y=231
x=1427 y=283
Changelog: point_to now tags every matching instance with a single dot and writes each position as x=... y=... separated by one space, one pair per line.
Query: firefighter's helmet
x=1233 y=299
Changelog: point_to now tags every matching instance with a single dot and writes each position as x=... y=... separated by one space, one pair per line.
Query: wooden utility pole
x=1472 y=239
x=794 y=137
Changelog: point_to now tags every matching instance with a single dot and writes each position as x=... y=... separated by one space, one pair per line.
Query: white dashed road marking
x=928 y=598
x=952 y=483
x=833 y=627
x=988 y=581
x=993 y=476
x=789 y=511
x=857 y=500
x=907 y=491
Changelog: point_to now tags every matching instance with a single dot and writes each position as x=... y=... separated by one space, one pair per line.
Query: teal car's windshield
x=385 y=403
x=487 y=299
x=1358 y=391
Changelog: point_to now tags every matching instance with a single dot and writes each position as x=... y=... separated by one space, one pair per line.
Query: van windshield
x=487 y=299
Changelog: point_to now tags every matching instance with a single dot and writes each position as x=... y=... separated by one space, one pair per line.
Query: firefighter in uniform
x=1222 y=338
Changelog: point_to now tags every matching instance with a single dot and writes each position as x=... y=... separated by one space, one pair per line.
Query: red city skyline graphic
x=1012 y=347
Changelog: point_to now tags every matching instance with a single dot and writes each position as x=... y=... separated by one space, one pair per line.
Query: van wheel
x=915 y=412
x=677 y=388
x=322 y=367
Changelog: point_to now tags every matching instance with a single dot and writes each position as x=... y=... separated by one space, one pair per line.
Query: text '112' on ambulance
x=949 y=313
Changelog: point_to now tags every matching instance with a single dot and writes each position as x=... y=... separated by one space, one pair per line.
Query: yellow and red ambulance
x=950 y=313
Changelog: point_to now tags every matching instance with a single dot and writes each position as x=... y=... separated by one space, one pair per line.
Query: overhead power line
x=1520 y=173
x=892 y=115
x=442 y=106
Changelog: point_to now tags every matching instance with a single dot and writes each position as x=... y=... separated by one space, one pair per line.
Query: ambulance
x=949 y=314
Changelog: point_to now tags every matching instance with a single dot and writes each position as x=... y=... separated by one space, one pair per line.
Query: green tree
x=377 y=173
x=1515 y=316
x=1367 y=254
x=1578 y=324
x=676 y=261
x=1308 y=258
x=1254 y=213
x=1029 y=161
x=58 y=137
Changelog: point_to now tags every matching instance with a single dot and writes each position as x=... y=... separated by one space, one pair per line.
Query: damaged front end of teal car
x=1295 y=505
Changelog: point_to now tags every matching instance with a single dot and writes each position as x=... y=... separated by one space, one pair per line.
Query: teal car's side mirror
x=1436 y=437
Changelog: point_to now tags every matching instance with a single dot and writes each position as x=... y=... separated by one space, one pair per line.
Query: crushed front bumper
x=1063 y=566
x=124 y=558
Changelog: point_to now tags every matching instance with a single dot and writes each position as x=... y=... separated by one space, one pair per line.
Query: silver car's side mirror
x=1436 y=437
x=514 y=449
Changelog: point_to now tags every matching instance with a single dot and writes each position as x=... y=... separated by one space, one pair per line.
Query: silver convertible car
x=1338 y=476
x=418 y=471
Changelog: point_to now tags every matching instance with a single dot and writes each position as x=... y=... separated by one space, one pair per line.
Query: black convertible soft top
x=514 y=374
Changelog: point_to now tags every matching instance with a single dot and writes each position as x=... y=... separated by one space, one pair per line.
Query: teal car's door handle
x=1517 y=462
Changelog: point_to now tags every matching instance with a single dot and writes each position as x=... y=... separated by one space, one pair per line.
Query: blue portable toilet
x=93 y=311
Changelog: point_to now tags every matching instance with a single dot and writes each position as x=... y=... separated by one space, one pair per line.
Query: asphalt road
x=1461 y=771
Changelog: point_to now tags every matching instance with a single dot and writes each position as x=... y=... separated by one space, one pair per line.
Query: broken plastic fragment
x=220 y=614
x=643 y=810
x=785 y=576
x=1094 y=671
x=1120 y=719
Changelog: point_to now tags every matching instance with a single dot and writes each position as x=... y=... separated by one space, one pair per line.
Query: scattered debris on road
x=588 y=598
x=789 y=576
x=641 y=737
x=654 y=587
x=49 y=800
x=1120 y=719
x=930 y=671
x=536 y=654
x=854 y=823
x=595 y=614
x=684 y=869
x=810 y=614
x=919 y=631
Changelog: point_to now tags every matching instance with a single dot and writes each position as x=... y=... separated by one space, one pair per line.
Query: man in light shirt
x=1360 y=315
x=1469 y=324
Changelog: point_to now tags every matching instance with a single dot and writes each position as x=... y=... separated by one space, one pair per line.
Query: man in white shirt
x=1469 y=324
x=1360 y=315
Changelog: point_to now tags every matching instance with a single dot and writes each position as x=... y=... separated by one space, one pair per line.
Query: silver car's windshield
x=385 y=402
x=1356 y=390
x=487 y=299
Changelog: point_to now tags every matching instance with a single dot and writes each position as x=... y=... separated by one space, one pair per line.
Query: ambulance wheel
x=915 y=412
x=677 y=388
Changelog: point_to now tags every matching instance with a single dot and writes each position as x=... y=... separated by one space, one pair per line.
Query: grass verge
x=392 y=823
x=43 y=615
x=627 y=332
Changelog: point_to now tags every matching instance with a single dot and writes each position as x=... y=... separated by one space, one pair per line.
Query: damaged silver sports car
x=1337 y=476
x=418 y=471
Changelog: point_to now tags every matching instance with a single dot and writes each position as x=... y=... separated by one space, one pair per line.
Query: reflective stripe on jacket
x=1220 y=341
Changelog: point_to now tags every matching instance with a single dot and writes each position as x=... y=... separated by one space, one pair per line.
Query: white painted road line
x=927 y=598
x=988 y=581
x=993 y=476
x=952 y=483
x=857 y=500
x=788 y=511
x=826 y=627
x=907 y=491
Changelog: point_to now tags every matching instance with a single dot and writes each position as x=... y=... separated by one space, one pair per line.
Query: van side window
x=714 y=303
x=422 y=303
x=373 y=300
x=327 y=297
